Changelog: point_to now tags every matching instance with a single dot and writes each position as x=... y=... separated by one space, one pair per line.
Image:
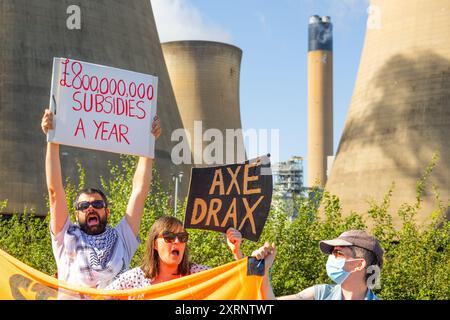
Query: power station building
x=399 y=114
x=288 y=177
x=205 y=80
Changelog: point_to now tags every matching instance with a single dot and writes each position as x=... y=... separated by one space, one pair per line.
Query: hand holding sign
x=237 y=196
x=156 y=127
x=266 y=252
x=47 y=121
x=234 y=240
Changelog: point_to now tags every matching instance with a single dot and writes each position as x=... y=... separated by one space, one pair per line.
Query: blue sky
x=273 y=37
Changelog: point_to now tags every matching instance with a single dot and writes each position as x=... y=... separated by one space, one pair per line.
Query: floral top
x=135 y=278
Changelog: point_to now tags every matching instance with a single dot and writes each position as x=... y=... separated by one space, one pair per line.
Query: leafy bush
x=27 y=238
x=417 y=259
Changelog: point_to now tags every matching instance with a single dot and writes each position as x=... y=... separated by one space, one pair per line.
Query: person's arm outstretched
x=306 y=294
x=141 y=184
x=268 y=253
x=59 y=212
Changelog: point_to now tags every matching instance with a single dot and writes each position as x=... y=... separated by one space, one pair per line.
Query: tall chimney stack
x=320 y=98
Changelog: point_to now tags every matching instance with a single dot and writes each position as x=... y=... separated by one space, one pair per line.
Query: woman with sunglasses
x=167 y=256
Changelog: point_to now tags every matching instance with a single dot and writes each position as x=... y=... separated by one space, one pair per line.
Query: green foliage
x=299 y=263
x=27 y=238
x=417 y=259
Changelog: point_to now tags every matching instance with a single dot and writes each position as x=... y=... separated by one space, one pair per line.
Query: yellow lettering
x=234 y=180
x=231 y=213
x=248 y=179
x=202 y=204
x=249 y=213
x=217 y=181
x=212 y=212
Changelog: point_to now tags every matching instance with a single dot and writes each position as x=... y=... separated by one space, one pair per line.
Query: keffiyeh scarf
x=96 y=255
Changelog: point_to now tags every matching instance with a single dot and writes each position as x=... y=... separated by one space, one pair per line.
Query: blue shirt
x=334 y=292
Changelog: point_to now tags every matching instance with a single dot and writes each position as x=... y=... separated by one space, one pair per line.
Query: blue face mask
x=335 y=269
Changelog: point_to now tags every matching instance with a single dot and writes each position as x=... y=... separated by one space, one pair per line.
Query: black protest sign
x=236 y=195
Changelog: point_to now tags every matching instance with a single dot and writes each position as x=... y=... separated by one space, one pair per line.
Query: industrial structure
x=288 y=178
x=320 y=98
x=205 y=80
x=399 y=114
x=115 y=33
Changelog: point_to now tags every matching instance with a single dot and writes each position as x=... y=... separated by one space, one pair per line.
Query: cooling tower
x=117 y=33
x=320 y=98
x=399 y=114
x=205 y=81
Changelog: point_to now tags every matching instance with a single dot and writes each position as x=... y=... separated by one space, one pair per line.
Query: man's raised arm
x=141 y=184
x=59 y=212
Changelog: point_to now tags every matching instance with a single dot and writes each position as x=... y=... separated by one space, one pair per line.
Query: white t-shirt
x=93 y=260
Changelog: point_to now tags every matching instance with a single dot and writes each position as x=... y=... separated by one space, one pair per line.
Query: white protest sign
x=102 y=108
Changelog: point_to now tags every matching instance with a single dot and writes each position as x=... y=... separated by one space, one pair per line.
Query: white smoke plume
x=181 y=20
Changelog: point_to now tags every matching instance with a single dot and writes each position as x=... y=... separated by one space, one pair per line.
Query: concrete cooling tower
x=399 y=114
x=205 y=80
x=115 y=33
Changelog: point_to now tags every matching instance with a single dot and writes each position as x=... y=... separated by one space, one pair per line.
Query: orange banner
x=19 y=281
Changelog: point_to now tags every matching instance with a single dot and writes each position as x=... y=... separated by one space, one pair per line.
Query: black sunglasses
x=83 y=205
x=170 y=236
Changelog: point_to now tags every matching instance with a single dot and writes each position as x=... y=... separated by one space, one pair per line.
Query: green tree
x=417 y=258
